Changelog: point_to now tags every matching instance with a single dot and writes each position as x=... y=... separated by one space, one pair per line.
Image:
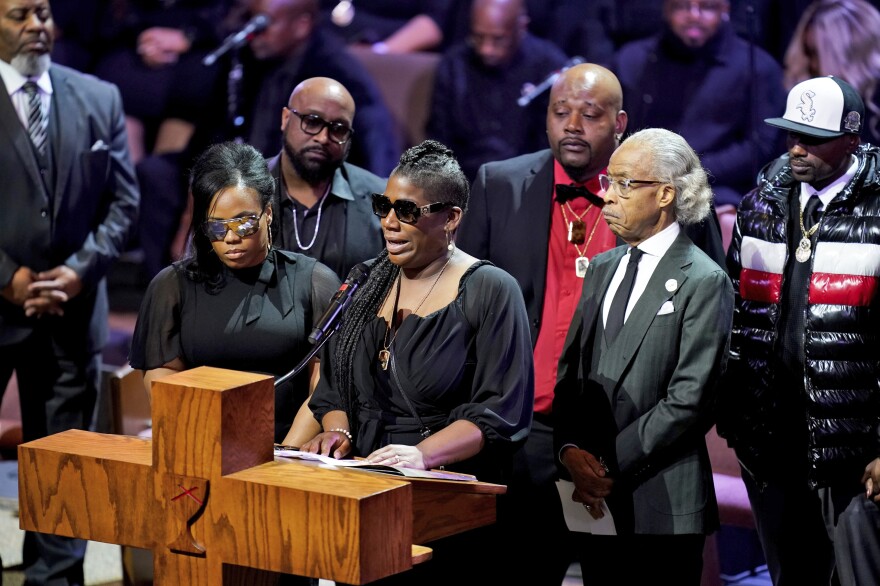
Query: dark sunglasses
x=406 y=211
x=216 y=230
x=312 y=124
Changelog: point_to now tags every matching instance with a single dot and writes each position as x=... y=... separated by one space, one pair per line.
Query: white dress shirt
x=14 y=82
x=653 y=248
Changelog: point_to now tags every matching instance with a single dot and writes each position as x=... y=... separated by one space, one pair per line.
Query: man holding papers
x=637 y=375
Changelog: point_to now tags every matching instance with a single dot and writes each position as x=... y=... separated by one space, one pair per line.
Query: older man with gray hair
x=637 y=376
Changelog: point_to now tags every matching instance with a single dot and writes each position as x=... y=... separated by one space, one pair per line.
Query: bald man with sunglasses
x=323 y=203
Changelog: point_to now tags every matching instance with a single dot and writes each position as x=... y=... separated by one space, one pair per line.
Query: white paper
x=578 y=518
x=364 y=466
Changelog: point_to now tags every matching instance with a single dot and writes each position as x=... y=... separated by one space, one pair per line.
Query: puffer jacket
x=842 y=327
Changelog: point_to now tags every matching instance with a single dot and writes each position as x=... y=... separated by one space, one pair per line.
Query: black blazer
x=78 y=214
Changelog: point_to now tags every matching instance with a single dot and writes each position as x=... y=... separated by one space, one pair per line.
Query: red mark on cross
x=187 y=492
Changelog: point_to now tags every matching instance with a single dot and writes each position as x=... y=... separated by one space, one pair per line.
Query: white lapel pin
x=671 y=285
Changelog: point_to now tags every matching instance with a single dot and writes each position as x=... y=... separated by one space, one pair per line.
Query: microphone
x=339 y=303
x=530 y=94
x=255 y=25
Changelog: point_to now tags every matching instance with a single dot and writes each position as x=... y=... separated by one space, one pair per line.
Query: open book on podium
x=364 y=466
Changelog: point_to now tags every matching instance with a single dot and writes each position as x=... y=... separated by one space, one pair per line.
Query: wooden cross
x=206 y=496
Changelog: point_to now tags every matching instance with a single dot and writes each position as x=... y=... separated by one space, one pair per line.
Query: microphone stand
x=302 y=363
x=233 y=97
x=548 y=82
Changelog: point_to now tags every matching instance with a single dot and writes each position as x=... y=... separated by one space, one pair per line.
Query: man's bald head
x=591 y=78
x=585 y=119
x=318 y=89
x=497 y=29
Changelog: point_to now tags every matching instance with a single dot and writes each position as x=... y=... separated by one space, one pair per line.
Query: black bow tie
x=566 y=193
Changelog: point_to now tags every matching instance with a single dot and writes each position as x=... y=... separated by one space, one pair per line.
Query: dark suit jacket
x=508 y=223
x=362 y=232
x=645 y=404
x=80 y=214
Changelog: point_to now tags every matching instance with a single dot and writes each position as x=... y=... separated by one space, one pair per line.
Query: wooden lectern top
x=206 y=495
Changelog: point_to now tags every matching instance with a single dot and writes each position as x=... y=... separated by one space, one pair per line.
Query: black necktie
x=36 y=119
x=797 y=287
x=621 y=297
x=811 y=211
x=566 y=193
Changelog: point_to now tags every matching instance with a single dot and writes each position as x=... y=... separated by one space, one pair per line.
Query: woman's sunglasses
x=243 y=226
x=406 y=211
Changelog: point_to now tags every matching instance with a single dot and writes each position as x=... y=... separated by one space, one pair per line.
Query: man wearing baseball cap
x=801 y=400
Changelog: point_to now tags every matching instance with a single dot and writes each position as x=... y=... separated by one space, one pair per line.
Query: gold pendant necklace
x=577 y=229
x=581 y=263
x=804 y=249
x=385 y=352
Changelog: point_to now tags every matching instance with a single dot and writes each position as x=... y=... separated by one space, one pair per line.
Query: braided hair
x=431 y=167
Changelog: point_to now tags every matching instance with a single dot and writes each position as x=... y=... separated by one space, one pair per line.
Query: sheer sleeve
x=156 y=339
x=502 y=393
x=324 y=284
x=325 y=398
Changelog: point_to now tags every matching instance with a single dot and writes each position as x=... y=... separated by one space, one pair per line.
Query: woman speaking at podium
x=235 y=301
x=433 y=364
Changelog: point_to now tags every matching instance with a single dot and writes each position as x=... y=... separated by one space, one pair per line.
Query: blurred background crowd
x=710 y=70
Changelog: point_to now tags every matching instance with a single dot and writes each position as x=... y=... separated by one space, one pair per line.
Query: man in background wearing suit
x=525 y=217
x=323 y=204
x=70 y=197
x=639 y=369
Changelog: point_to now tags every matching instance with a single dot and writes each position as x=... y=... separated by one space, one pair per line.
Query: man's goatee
x=31 y=65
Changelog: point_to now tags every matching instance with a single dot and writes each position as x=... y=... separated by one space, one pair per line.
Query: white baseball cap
x=824 y=107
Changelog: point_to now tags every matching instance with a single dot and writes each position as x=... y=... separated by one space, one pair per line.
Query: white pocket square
x=99 y=146
x=667 y=307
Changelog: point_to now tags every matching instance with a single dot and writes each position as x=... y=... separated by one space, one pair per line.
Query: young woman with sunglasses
x=235 y=301
x=433 y=364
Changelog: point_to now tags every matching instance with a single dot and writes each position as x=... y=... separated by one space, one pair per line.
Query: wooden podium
x=206 y=496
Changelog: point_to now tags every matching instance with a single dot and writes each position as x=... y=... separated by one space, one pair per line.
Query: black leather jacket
x=837 y=420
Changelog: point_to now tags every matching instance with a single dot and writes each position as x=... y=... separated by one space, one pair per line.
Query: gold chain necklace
x=581 y=263
x=802 y=254
x=385 y=352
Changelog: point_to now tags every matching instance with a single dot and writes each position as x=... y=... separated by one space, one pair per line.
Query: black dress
x=470 y=360
x=258 y=322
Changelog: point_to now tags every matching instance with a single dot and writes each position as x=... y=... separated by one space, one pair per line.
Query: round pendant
x=802 y=254
x=342 y=14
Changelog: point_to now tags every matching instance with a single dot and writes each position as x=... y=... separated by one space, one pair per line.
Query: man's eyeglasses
x=216 y=230
x=624 y=186
x=704 y=8
x=313 y=124
x=406 y=211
